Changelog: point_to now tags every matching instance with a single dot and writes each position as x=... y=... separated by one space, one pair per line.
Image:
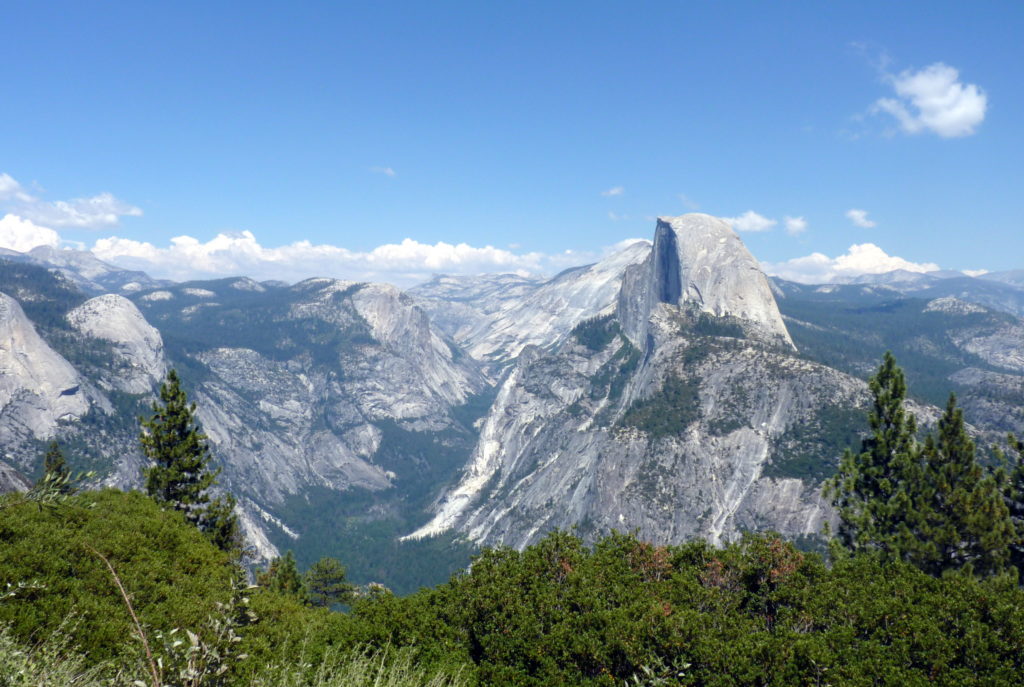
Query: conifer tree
x=55 y=469
x=1013 y=497
x=282 y=576
x=180 y=476
x=326 y=583
x=876 y=490
x=966 y=521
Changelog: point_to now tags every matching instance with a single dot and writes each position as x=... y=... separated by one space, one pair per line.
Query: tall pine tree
x=180 y=476
x=966 y=521
x=876 y=490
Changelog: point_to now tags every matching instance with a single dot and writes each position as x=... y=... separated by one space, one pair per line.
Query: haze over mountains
x=672 y=388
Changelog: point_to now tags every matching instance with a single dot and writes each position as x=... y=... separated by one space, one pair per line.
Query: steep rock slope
x=684 y=413
x=319 y=388
x=698 y=262
x=38 y=387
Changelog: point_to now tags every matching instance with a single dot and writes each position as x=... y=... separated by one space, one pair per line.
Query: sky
x=390 y=141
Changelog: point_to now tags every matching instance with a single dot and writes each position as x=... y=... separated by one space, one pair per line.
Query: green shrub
x=174 y=576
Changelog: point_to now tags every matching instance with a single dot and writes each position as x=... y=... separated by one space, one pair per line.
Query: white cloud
x=751 y=221
x=864 y=258
x=20 y=234
x=974 y=273
x=795 y=225
x=935 y=100
x=403 y=264
x=688 y=202
x=860 y=218
x=387 y=171
x=10 y=189
x=614 y=191
x=101 y=210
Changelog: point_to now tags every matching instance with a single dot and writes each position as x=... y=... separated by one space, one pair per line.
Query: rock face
x=326 y=386
x=668 y=416
x=499 y=326
x=690 y=439
x=11 y=480
x=698 y=262
x=37 y=386
x=137 y=344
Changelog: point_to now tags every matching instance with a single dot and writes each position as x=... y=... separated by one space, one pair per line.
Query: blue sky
x=530 y=128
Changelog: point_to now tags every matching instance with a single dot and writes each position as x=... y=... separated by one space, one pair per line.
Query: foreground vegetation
x=114 y=588
x=559 y=613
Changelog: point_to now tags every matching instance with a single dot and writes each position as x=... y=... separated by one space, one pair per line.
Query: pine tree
x=55 y=469
x=326 y=583
x=282 y=576
x=876 y=491
x=1012 y=482
x=180 y=476
x=967 y=522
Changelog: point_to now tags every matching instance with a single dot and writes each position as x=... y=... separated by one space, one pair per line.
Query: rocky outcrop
x=38 y=388
x=11 y=480
x=699 y=263
x=137 y=344
x=666 y=416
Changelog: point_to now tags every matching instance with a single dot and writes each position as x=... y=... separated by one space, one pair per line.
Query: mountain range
x=671 y=389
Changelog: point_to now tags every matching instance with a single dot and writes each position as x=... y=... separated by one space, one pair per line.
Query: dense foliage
x=174 y=575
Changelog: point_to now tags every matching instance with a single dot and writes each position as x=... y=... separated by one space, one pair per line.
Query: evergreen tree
x=282 y=576
x=967 y=522
x=326 y=583
x=1013 y=497
x=180 y=475
x=876 y=491
x=55 y=469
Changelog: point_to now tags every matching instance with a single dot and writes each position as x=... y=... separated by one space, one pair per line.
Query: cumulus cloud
x=751 y=221
x=101 y=210
x=17 y=233
x=614 y=191
x=975 y=273
x=386 y=171
x=403 y=264
x=934 y=99
x=860 y=218
x=795 y=225
x=863 y=258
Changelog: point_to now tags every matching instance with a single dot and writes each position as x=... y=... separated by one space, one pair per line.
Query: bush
x=174 y=575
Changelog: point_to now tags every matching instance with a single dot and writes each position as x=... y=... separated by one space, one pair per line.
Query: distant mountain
x=1012 y=277
x=670 y=388
x=495 y=317
x=682 y=412
x=85 y=270
x=1001 y=291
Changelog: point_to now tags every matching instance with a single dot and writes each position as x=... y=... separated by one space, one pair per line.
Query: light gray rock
x=699 y=262
x=12 y=481
x=138 y=345
x=38 y=387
